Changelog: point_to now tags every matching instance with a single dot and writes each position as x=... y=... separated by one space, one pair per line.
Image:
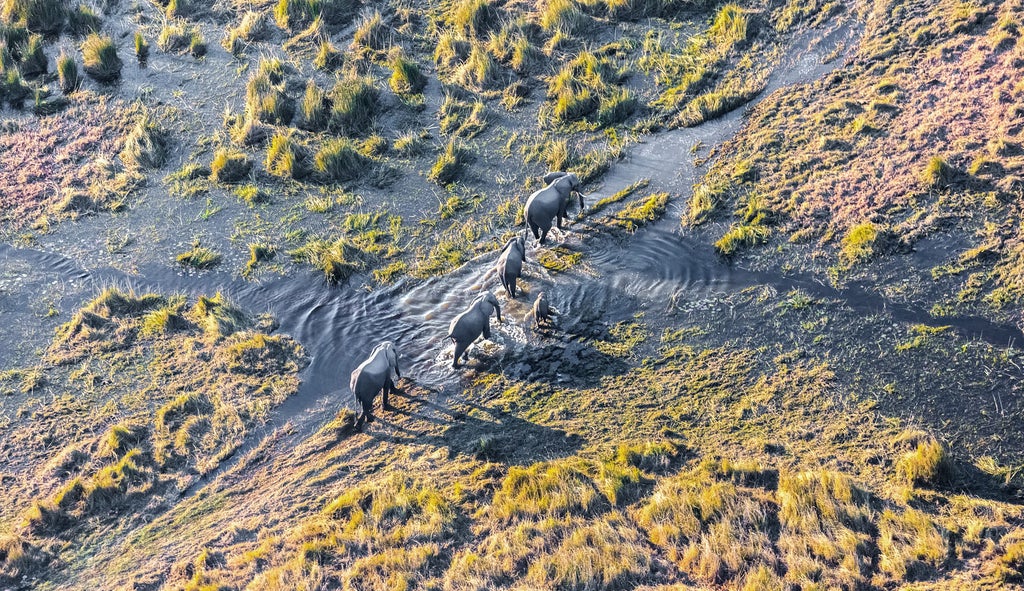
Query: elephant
x=510 y=263
x=374 y=375
x=551 y=202
x=470 y=324
x=542 y=311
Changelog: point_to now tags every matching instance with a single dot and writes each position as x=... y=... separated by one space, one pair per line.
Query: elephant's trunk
x=497 y=310
x=582 y=206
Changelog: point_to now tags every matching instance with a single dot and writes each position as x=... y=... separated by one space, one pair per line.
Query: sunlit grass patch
x=448 y=164
x=286 y=158
x=99 y=58
x=926 y=462
x=146 y=144
x=641 y=211
x=199 y=257
x=229 y=166
x=340 y=160
x=337 y=260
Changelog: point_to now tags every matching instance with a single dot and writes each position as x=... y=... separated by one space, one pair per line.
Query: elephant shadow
x=473 y=429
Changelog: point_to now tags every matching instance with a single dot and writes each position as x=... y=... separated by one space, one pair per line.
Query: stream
x=338 y=326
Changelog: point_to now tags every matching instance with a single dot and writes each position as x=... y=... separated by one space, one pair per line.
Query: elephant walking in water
x=551 y=202
x=542 y=311
x=510 y=264
x=374 y=375
x=469 y=325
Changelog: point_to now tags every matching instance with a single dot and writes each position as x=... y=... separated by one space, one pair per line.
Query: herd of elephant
x=379 y=371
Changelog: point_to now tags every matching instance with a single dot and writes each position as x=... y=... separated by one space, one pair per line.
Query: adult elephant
x=469 y=325
x=551 y=202
x=510 y=263
x=375 y=375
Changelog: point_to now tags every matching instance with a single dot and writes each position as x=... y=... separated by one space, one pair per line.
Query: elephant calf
x=542 y=311
x=374 y=375
x=510 y=264
x=551 y=202
x=469 y=325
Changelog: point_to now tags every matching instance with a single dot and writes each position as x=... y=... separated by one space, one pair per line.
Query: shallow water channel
x=650 y=270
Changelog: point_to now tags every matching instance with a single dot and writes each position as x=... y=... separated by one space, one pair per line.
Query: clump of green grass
x=141 y=48
x=197 y=44
x=266 y=99
x=354 y=104
x=910 y=544
x=67 y=72
x=859 y=244
x=175 y=37
x=554 y=489
x=514 y=95
x=33 y=58
x=146 y=145
x=258 y=252
x=337 y=260
x=374 y=146
x=641 y=212
x=83 y=20
x=340 y=160
x=559 y=259
x=99 y=58
x=199 y=257
x=926 y=462
x=286 y=158
x=620 y=195
x=45 y=17
x=328 y=57
x=372 y=33
x=309 y=39
x=314 y=110
x=474 y=18
x=451 y=50
x=741 y=235
x=165 y=319
x=938 y=174
x=219 y=318
x=251 y=195
x=411 y=143
x=479 y=71
x=297 y=14
x=252 y=27
x=587 y=87
x=730 y=27
x=229 y=166
x=406 y=77
x=448 y=164
x=462 y=119
x=562 y=16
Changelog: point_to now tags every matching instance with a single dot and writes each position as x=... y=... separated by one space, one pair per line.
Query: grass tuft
x=340 y=160
x=67 y=72
x=448 y=165
x=286 y=158
x=99 y=58
x=406 y=77
x=354 y=104
x=199 y=257
x=926 y=463
x=145 y=146
x=229 y=166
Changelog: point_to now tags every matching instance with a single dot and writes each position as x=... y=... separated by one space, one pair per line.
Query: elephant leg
x=559 y=220
x=504 y=283
x=487 y=328
x=512 y=284
x=535 y=229
x=460 y=348
x=543 y=236
x=389 y=387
